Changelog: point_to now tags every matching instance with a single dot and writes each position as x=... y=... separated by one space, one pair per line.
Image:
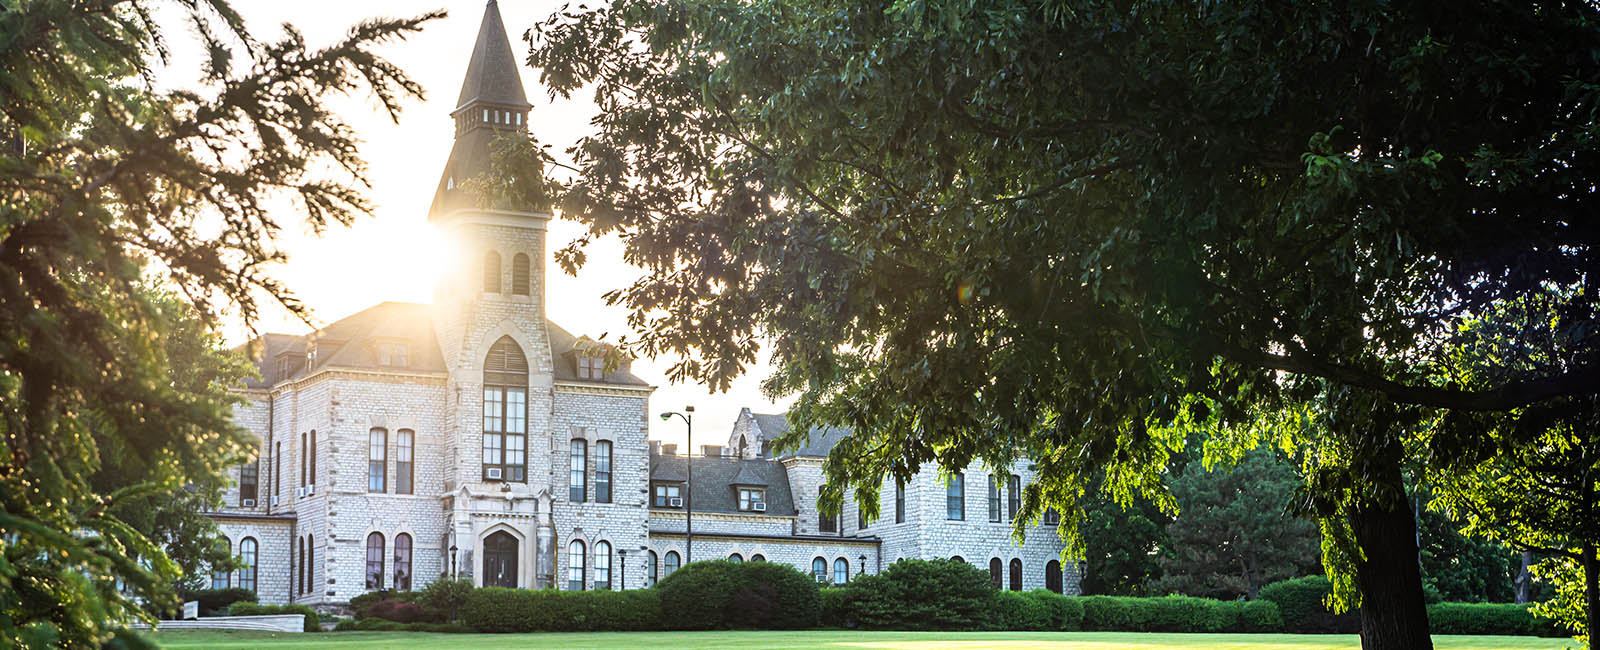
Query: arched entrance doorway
x=500 y=560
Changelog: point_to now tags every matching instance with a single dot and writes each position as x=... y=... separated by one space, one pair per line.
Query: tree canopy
x=1053 y=229
x=108 y=184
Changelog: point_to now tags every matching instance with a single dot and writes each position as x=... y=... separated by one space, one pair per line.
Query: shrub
x=1300 y=603
x=381 y=625
x=1254 y=616
x=719 y=594
x=922 y=595
x=361 y=605
x=444 y=597
x=401 y=612
x=1065 y=612
x=498 y=609
x=836 y=607
x=1178 y=614
x=216 y=601
x=1489 y=619
x=1015 y=610
x=312 y=623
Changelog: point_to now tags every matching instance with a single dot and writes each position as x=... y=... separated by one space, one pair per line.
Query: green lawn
x=821 y=639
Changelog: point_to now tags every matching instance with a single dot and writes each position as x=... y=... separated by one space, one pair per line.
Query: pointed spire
x=492 y=71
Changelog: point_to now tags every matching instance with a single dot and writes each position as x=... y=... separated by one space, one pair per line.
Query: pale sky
x=392 y=255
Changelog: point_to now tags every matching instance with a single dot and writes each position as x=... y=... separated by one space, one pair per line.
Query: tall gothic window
x=491 y=272
x=649 y=569
x=1013 y=496
x=1016 y=574
x=841 y=571
x=310 y=560
x=402 y=562
x=1052 y=576
x=297 y=552
x=505 y=412
x=519 y=275
x=669 y=563
x=899 y=502
x=602 y=471
x=222 y=579
x=377 y=460
x=579 y=463
x=997 y=573
x=247 y=564
x=994 y=497
x=602 y=565
x=575 y=562
x=313 y=457
x=375 y=561
x=404 y=439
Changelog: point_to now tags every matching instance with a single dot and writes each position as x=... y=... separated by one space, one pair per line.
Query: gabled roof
x=492 y=71
x=819 y=442
x=715 y=481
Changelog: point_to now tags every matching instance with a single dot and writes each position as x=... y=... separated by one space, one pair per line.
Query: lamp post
x=863 y=570
x=688 y=488
x=453 y=575
x=622 y=571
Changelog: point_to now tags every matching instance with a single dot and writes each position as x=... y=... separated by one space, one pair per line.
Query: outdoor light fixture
x=453 y=560
x=688 y=488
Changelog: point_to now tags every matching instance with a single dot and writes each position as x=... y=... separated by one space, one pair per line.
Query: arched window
x=743 y=446
x=500 y=560
x=819 y=570
x=736 y=558
x=375 y=561
x=649 y=568
x=1052 y=576
x=222 y=579
x=505 y=412
x=491 y=272
x=297 y=552
x=669 y=564
x=602 y=471
x=311 y=564
x=377 y=460
x=404 y=440
x=575 y=561
x=758 y=558
x=402 y=562
x=519 y=275
x=602 y=565
x=958 y=558
x=247 y=564
x=997 y=573
x=1016 y=574
x=841 y=571
x=577 y=474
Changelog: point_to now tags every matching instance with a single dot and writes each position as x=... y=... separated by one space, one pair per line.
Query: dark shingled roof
x=715 y=480
x=352 y=342
x=820 y=441
x=492 y=71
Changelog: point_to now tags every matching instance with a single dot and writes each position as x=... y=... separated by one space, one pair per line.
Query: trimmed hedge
x=215 y=601
x=835 y=607
x=381 y=625
x=924 y=595
x=1508 y=619
x=1301 y=604
x=721 y=595
x=1178 y=614
x=312 y=622
x=1015 y=610
x=501 y=609
x=1065 y=613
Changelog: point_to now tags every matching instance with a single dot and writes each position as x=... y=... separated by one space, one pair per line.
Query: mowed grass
x=821 y=639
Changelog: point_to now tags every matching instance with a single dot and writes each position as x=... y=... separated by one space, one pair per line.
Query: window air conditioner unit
x=494 y=473
x=247 y=503
x=299 y=492
x=274 y=499
x=675 y=502
x=311 y=489
x=758 y=507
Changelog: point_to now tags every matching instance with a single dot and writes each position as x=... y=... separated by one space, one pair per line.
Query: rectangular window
x=994 y=497
x=377 y=460
x=861 y=516
x=955 y=498
x=312 y=452
x=516 y=434
x=750 y=499
x=579 y=465
x=899 y=502
x=825 y=523
x=403 y=474
x=247 y=482
x=303 y=466
x=587 y=368
x=1013 y=496
x=665 y=494
x=1051 y=517
x=602 y=472
x=493 y=436
x=277 y=468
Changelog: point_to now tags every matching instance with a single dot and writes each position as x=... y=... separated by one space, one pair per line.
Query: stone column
x=545 y=576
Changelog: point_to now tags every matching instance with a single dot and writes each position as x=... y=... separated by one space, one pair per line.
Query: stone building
x=474 y=437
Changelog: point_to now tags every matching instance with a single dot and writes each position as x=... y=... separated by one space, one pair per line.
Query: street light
x=863 y=570
x=688 y=488
x=453 y=562
x=622 y=554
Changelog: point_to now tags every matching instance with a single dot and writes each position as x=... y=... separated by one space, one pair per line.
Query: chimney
x=711 y=451
x=669 y=450
x=655 y=447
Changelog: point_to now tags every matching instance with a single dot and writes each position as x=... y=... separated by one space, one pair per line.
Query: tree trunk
x=1393 y=614
x=1591 y=593
x=1524 y=581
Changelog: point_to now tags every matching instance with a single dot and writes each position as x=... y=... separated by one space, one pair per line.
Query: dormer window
x=288 y=364
x=753 y=499
x=591 y=368
x=392 y=354
x=668 y=495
